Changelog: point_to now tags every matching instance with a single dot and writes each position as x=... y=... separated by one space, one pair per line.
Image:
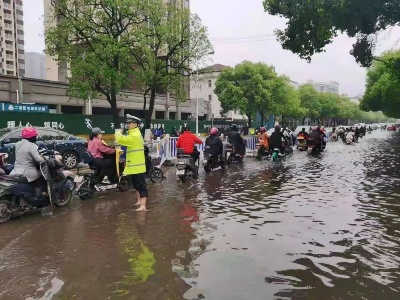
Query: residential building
x=12 y=38
x=203 y=88
x=34 y=63
x=327 y=87
x=356 y=99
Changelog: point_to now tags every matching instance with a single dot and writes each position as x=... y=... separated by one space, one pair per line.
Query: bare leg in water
x=141 y=202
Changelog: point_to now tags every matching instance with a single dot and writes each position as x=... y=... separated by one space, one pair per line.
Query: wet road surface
x=307 y=228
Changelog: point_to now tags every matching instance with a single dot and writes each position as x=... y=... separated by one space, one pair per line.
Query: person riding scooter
x=28 y=159
x=316 y=138
x=214 y=143
x=103 y=156
x=236 y=140
x=187 y=141
x=277 y=140
x=263 y=142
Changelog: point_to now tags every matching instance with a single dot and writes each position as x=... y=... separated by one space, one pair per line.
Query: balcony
x=9 y=37
x=7 y=5
x=22 y=66
x=19 y=17
x=19 y=7
x=20 y=27
x=10 y=67
x=8 y=16
x=9 y=56
x=21 y=56
x=8 y=26
x=20 y=37
x=9 y=47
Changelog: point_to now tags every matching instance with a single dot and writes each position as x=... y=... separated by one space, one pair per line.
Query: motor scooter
x=86 y=184
x=18 y=196
x=185 y=166
x=231 y=155
x=212 y=160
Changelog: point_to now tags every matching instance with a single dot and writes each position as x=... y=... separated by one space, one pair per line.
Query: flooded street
x=308 y=228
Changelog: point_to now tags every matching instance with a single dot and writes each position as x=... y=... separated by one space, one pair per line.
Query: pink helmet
x=29 y=132
x=263 y=130
x=213 y=131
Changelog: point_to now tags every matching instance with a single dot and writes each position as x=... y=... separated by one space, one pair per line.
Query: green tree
x=309 y=99
x=383 y=86
x=172 y=40
x=107 y=43
x=312 y=25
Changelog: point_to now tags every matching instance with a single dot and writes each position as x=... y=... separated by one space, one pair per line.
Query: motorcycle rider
x=214 y=142
x=101 y=153
x=277 y=140
x=236 y=140
x=304 y=133
x=263 y=141
x=187 y=141
x=316 y=137
x=28 y=158
x=358 y=133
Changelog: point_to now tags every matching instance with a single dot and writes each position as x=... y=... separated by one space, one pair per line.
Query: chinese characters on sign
x=10 y=107
x=53 y=125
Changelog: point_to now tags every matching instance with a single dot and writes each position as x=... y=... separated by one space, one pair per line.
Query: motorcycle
x=301 y=143
x=185 y=166
x=211 y=160
x=155 y=174
x=231 y=155
x=17 y=196
x=312 y=145
x=276 y=154
x=350 y=139
x=86 y=184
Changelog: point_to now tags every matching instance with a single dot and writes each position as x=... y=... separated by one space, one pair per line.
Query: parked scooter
x=17 y=196
x=155 y=174
x=212 y=160
x=86 y=184
x=186 y=167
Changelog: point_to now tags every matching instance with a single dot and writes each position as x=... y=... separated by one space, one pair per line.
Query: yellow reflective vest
x=135 y=160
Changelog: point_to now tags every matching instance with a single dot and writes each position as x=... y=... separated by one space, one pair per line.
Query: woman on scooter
x=103 y=156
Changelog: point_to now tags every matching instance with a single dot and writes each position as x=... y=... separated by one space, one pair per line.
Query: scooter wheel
x=156 y=175
x=64 y=199
x=5 y=211
x=125 y=184
x=207 y=168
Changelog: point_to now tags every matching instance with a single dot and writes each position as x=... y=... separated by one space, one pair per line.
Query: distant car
x=391 y=128
x=72 y=148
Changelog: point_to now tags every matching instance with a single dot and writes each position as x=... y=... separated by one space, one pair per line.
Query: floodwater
x=307 y=228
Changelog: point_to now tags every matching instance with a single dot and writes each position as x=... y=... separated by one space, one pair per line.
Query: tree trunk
x=144 y=103
x=249 y=119
x=149 y=113
x=262 y=118
x=112 y=99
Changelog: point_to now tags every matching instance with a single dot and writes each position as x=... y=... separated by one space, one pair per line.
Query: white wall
x=206 y=91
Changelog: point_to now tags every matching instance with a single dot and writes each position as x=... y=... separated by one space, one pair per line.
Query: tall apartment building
x=327 y=87
x=12 y=38
x=34 y=63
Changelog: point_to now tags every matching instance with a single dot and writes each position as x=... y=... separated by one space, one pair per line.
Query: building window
x=209 y=83
x=209 y=97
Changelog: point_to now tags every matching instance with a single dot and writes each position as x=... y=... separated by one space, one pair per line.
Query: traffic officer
x=135 y=159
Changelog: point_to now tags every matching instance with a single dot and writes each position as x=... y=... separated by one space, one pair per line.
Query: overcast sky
x=241 y=30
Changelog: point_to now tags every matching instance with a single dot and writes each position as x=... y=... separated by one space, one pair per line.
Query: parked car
x=72 y=148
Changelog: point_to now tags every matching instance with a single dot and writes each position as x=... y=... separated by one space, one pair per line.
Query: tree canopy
x=383 y=86
x=255 y=88
x=107 y=43
x=312 y=25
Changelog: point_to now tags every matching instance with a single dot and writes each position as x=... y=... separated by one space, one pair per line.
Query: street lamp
x=197 y=97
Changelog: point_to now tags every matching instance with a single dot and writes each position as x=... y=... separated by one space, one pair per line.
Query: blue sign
x=12 y=107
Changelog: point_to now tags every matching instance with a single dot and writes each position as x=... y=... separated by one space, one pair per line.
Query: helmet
x=263 y=130
x=213 y=131
x=29 y=132
x=132 y=119
x=233 y=127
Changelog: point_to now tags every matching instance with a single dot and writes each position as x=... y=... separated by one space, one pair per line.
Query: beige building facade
x=12 y=38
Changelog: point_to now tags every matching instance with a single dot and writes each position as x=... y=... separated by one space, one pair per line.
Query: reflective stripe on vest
x=136 y=165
